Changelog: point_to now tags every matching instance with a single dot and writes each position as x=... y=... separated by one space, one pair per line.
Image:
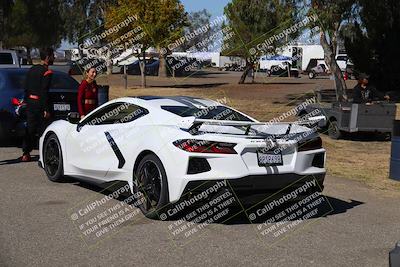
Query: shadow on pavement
x=17 y=161
x=238 y=214
x=338 y=206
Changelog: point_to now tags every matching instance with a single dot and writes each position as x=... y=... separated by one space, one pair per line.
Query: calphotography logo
x=101 y=217
x=289 y=210
x=199 y=209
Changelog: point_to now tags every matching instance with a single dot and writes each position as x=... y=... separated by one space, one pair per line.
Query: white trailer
x=303 y=54
x=215 y=57
x=303 y=57
x=299 y=56
x=267 y=62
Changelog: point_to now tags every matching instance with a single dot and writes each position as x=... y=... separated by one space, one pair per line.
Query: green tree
x=162 y=22
x=83 y=19
x=19 y=32
x=28 y=25
x=5 y=12
x=372 y=44
x=46 y=21
x=123 y=9
x=332 y=15
x=254 y=22
x=197 y=20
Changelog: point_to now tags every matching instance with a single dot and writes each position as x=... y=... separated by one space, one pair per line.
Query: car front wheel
x=150 y=185
x=53 y=159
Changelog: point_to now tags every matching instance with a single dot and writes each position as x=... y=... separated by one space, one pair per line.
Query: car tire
x=334 y=131
x=53 y=159
x=154 y=189
x=311 y=75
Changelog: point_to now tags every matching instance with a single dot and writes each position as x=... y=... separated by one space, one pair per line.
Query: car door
x=124 y=140
x=89 y=152
x=95 y=146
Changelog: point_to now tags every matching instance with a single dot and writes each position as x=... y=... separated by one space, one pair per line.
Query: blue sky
x=215 y=7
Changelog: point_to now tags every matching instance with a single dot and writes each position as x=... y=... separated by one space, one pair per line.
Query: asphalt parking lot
x=37 y=229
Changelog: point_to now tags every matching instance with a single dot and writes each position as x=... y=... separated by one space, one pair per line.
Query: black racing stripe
x=115 y=148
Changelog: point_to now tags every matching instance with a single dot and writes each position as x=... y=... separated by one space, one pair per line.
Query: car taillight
x=15 y=101
x=202 y=146
x=312 y=144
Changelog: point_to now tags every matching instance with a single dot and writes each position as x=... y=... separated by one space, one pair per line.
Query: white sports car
x=164 y=146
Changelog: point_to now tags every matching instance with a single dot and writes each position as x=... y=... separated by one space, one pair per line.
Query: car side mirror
x=73 y=117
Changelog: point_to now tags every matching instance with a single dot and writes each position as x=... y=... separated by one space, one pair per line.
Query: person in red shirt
x=87 y=93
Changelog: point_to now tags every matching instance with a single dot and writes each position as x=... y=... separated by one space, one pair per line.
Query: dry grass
x=366 y=161
x=362 y=161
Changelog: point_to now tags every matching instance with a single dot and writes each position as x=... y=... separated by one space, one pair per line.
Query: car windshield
x=210 y=113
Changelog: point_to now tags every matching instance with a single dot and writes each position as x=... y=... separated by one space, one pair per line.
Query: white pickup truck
x=342 y=61
x=9 y=59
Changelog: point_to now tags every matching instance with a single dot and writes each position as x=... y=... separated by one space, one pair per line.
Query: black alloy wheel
x=52 y=158
x=150 y=184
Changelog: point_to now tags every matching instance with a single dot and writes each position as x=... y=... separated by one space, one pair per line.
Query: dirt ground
x=269 y=97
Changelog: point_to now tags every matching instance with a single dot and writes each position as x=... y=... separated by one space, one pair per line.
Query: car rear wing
x=193 y=124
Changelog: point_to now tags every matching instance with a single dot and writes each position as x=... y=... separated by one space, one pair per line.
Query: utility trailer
x=347 y=117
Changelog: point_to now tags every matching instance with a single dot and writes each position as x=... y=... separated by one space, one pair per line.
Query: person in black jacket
x=37 y=86
x=364 y=93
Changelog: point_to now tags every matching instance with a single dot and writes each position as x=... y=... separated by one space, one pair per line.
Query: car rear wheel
x=53 y=159
x=150 y=184
x=334 y=131
x=311 y=75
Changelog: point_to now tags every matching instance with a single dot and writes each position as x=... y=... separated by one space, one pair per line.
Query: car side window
x=116 y=113
x=6 y=58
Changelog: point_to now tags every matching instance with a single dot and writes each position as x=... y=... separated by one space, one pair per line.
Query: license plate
x=62 y=107
x=269 y=158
